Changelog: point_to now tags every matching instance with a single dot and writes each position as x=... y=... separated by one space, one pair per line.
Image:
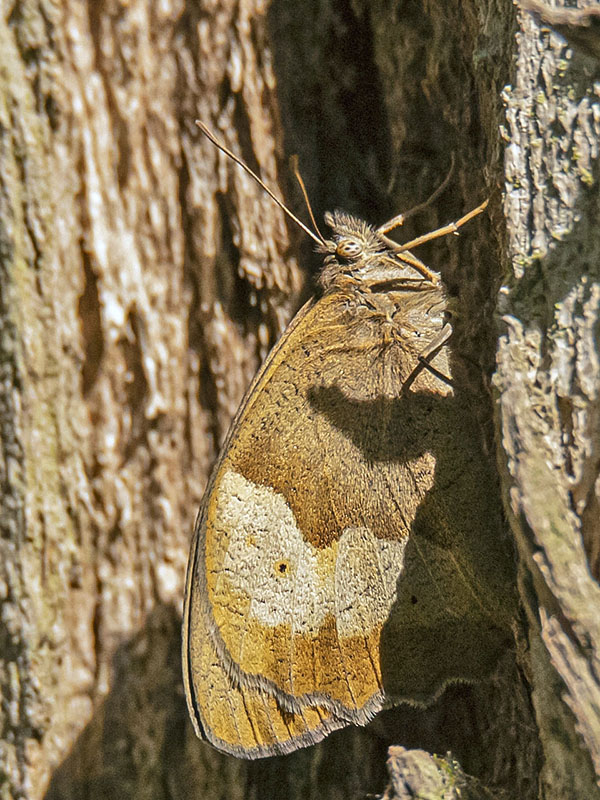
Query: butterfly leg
x=425 y=357
x=399 y=219
x=452 y=227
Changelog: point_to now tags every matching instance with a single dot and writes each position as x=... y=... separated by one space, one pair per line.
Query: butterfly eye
x=348 y=248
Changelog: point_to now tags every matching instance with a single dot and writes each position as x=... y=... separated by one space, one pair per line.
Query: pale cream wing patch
x=304 y=619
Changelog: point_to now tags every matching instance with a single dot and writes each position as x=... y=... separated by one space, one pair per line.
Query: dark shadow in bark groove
x=328 y=87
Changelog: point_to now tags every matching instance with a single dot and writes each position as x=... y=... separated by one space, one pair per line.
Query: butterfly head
x=358 y=253
x=352 y=239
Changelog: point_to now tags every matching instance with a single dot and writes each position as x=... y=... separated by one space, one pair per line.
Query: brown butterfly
x=348 y=553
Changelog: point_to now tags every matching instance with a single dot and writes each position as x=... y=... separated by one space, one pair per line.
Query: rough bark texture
x=142 y=280
x=548 y=380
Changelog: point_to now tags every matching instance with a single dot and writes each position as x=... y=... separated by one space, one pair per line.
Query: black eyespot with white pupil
x=348 y=248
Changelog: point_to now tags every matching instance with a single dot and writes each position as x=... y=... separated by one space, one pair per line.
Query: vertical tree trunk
x=548 y=379
x=143 y=279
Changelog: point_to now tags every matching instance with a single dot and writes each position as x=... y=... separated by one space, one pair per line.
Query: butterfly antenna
x=209 y=135
x=296 y=169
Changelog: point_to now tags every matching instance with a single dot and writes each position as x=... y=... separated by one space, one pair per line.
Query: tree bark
x=143 y=279
x=547 y=380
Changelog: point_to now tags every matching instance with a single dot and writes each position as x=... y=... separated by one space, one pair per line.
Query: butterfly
x=348 y=553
